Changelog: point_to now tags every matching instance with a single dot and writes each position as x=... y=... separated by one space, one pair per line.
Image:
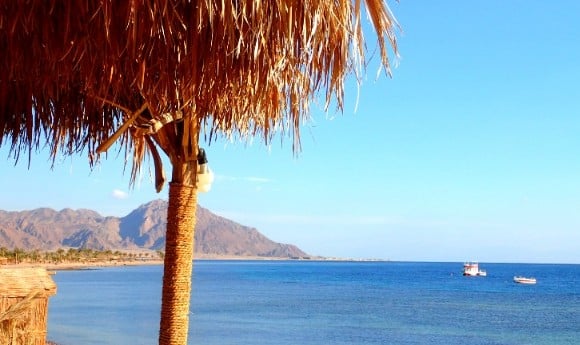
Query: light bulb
x=204 y=173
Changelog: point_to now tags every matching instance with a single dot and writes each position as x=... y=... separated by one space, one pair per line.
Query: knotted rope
x=178 y=265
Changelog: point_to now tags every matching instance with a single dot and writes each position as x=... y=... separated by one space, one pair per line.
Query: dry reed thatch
x=24 y=296
x=72 y=72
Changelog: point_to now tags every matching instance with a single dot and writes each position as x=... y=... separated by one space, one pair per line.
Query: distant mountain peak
x=144 y=227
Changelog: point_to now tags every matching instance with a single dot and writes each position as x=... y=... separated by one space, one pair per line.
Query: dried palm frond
x=74 y=73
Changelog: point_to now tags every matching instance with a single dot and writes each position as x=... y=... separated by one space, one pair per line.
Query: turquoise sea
x=320 y=303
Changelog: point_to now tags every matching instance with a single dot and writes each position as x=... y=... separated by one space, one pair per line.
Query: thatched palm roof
x=73 y=72
x=81 y=74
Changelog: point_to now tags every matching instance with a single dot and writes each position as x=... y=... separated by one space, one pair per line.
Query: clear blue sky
x=470 y=152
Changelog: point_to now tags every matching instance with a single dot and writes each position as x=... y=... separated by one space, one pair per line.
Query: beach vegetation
x=73 y=255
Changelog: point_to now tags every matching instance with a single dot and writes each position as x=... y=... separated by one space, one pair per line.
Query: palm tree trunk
x=178 y=260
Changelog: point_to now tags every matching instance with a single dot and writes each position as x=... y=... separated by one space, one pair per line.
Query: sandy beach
x=84 y=265
x=79 y=265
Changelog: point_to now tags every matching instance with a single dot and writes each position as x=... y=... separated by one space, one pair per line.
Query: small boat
x=524 y=280
x=471 y=269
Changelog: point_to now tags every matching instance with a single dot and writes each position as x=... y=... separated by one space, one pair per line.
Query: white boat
x=524 y=280
x=471 y=269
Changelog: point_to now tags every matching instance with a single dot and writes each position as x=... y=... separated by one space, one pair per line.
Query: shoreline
x=62 y=266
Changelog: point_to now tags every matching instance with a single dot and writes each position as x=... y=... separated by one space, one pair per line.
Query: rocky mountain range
x=143 y=228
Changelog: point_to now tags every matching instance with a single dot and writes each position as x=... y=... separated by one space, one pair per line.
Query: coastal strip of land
x=77 y=259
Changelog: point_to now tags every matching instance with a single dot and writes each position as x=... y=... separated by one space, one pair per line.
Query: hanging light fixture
x=204 y=173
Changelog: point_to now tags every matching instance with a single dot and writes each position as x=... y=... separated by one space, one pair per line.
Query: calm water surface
x=316 y=303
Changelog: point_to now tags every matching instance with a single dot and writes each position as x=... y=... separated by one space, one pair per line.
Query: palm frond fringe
x=72 y=73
